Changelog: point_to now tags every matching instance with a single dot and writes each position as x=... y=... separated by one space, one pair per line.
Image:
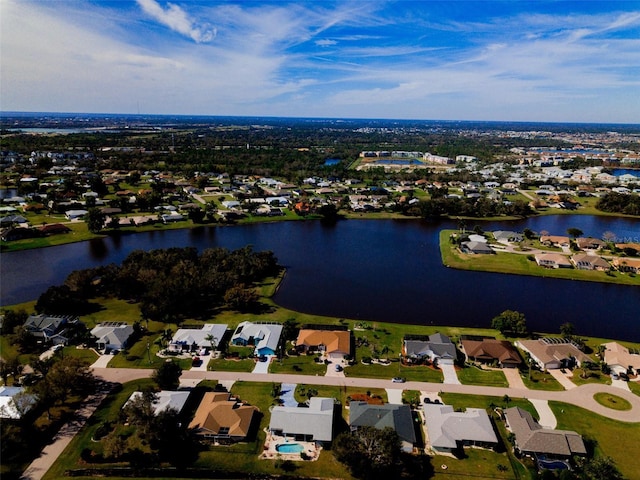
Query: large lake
x=378 y=270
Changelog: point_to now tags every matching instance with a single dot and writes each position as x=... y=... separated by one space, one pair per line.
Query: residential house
x=505 y=236
x=620 y=359
x=626 y=264
x=552 y=260
x=531 y=439
x=553 y=353
x=555 y=241
x=478 y=248
x=437 y=347
x=15 y=402
x=164 y=400
x=590 y=243
x=585 y=261
x=397 y=417
x=197 y=339
x=310 y=424
x=50 y=328
x=336 y=344
x=265 y=337
x=490 y=350
x=112 y=335
x=75 y=214
x=220 y=417
x=448 y=430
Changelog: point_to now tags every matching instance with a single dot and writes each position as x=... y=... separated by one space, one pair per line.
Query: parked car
x=196 y=362
x=338 y=368
x=397 y=380
x=623 y=376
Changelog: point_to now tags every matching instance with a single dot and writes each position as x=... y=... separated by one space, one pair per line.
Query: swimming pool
x=289 y=448
x=552 y=464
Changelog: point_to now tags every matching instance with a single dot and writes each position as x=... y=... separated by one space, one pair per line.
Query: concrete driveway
x=263 y=367
x=547 y=418
x=102 y=361
x=287 y=391
x=394 y=396
x=450 y=376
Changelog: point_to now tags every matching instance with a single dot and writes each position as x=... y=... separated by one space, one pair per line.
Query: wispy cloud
x=174 y=17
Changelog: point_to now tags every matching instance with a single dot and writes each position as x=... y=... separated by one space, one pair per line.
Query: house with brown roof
x=619 y=358
x=531 y=439
x=552 y=260
x=555 y=241
x=220 y=417
x=490 y=350
x=588 y=243
x=552 y=353
x=584 y=261
x=626 y=264
x=333 y=343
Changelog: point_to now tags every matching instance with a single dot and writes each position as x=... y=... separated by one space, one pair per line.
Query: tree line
x=172 y=283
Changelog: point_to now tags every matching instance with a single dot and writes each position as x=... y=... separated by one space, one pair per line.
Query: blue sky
x=452 y=60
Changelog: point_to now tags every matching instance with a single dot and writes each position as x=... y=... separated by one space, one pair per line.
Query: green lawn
x=301 y=364
x=612 y=401
x=478 y=464
x=634 y=387
x=476 y=376
x=541 y=381
x=519 y=264
x=594 y=376
x=618 y=440
x=220 y=364
x=460 y=401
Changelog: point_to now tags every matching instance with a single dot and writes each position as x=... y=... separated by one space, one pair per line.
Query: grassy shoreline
x=519 y=264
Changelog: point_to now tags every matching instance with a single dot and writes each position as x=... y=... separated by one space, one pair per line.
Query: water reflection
x=98 y=248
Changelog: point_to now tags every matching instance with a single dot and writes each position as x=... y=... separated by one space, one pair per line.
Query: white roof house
x=187 y=339
x=264 y=336
x=449 y=430
x=112 y=335
x=165 y=400
x=14 y=402
x=314 y=423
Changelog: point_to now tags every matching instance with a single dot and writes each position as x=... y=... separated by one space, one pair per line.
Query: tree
x=567 y=329
x=167 y=376
x=95 y=219
x=511 y=322
x=241 y=298
x=528 y=234
x=369 y=452
x=574 y=232
x=601 y=468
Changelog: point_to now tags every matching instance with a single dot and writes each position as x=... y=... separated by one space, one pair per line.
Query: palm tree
x=213 y=341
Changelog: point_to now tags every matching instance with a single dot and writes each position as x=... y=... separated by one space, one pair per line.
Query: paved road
x=581 y=396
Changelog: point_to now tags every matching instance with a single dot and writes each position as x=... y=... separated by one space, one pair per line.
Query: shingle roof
x=398 y=417
x=217 y=412
x=333 y=340
x=490 y=348
x=317 y=420
x=531 y=437
x=447 y=427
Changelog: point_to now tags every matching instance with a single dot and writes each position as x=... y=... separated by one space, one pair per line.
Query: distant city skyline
x=446 y=60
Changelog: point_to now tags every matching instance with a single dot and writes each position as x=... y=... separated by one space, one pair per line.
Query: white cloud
x=177 y=20
x=325 y=43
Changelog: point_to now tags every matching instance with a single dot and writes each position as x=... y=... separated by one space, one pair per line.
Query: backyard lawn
x=618 y=440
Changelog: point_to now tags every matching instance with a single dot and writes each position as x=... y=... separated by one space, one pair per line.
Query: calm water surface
x=378 y=270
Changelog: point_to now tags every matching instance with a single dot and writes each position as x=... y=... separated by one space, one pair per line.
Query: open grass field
x=617 y=440
x=519 y=264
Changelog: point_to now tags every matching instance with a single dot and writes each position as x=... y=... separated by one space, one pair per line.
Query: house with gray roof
x=506 y=236
x=477 y=248
x=15 y=402
x=397 y=417
x=310 y=424
x=195 y=339
x=449 y=430
x=265 y=337
x=164 y=400
x=532 y=439
x=112 y=335
x=437 y=347
x=585 y=261
x=50 y=328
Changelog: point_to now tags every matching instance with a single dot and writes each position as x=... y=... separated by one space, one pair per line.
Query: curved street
x=581 y=396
